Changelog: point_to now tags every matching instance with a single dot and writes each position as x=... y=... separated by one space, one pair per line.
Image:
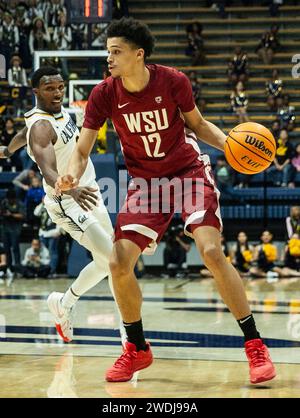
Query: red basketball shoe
x=260 y=363
x=129 y=362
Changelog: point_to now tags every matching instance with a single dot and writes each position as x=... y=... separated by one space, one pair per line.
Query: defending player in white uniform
x=51 y=136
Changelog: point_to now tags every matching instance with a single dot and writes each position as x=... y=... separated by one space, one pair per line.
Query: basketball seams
x=260 y=156
x=257 y=133
x=245 y=168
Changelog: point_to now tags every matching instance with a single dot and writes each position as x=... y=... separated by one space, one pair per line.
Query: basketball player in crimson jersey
x=149 y=106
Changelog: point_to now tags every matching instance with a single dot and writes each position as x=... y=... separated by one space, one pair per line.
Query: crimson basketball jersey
x=148 y=123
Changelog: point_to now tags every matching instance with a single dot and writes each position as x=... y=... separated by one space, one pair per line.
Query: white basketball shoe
x=63 y=317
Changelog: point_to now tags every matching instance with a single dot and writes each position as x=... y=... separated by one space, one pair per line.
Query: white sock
x=88 y=278
x=69 y=299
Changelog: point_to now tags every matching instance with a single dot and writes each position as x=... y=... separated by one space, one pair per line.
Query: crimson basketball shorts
x=150 y=206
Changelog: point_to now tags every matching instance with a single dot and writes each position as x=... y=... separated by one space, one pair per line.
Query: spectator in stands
x=241 y=254
x=99 y=35
x=119 y=9
x=265 y=255
x=49 y=234
x=3 y=264
x=12 y=213
x=268 y=45
x=4 y=114
x=177 y=247
x=33 y=198
x=238 y=67
x=195 y=48
x=292 y=222
x=286 y=115
x=282 y=171
x=274 y=7
x=225 y=177
x=39 y=38
x=37 y=8
x=274 y=91
x=79 y=36
x=275 y=129
x=24 y=51
x=54 y=10
x=197 y=90
x=17 y=80
x=219 y=6
x=98 y=42
x=23 y=180
x=62 y=38
x=14 y=162
x=292 y=257
x=296 y=160
x=36 y=261
x=9 y=37
x=239 y=102
x=21 y=13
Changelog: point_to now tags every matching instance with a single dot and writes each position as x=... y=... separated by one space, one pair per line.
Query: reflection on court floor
x=195 y=340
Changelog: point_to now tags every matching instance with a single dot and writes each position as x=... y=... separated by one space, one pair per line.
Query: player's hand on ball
x=65 y=183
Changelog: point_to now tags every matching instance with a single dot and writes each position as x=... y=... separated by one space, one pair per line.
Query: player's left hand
x=85 y=197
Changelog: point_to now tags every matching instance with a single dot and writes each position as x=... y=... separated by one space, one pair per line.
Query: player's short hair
x=41 y=72
x=134 y=32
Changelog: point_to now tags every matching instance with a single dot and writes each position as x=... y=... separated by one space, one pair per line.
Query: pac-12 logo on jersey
x=151 y=121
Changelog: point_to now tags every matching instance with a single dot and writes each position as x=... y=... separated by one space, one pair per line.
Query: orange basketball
x=250 y=148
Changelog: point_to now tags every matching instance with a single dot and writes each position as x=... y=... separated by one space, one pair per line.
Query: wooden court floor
x=196 y=342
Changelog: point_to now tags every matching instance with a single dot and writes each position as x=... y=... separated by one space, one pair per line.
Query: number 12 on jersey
x=150 y=139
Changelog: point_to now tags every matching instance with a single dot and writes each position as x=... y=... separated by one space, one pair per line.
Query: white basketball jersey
x=67 y=135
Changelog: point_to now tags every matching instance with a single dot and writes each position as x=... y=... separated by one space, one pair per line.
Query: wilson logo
x=258 y=144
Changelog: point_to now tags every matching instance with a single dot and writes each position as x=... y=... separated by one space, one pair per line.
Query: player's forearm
x=50 y=175
x=81 y=152
x=77 y=164
x=211 y=134
x=18 y=141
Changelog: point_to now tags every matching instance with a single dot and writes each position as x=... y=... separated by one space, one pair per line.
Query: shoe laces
x=257 y=356
x=125 y=359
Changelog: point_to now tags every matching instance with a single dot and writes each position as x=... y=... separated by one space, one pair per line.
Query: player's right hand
x=65 y=183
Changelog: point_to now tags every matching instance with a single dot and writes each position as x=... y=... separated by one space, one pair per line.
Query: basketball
x=250 y=148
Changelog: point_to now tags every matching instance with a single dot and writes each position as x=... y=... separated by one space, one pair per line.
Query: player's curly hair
x=134 y=32
x=41 y=72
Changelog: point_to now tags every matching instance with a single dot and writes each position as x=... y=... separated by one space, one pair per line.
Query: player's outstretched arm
x=78 y=160
x=81 y=153
x=42 y=138
x=206 y=131
x=18 y=141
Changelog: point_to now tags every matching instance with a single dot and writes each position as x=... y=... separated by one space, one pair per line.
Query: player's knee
x=211 y=254
x=119 y=266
